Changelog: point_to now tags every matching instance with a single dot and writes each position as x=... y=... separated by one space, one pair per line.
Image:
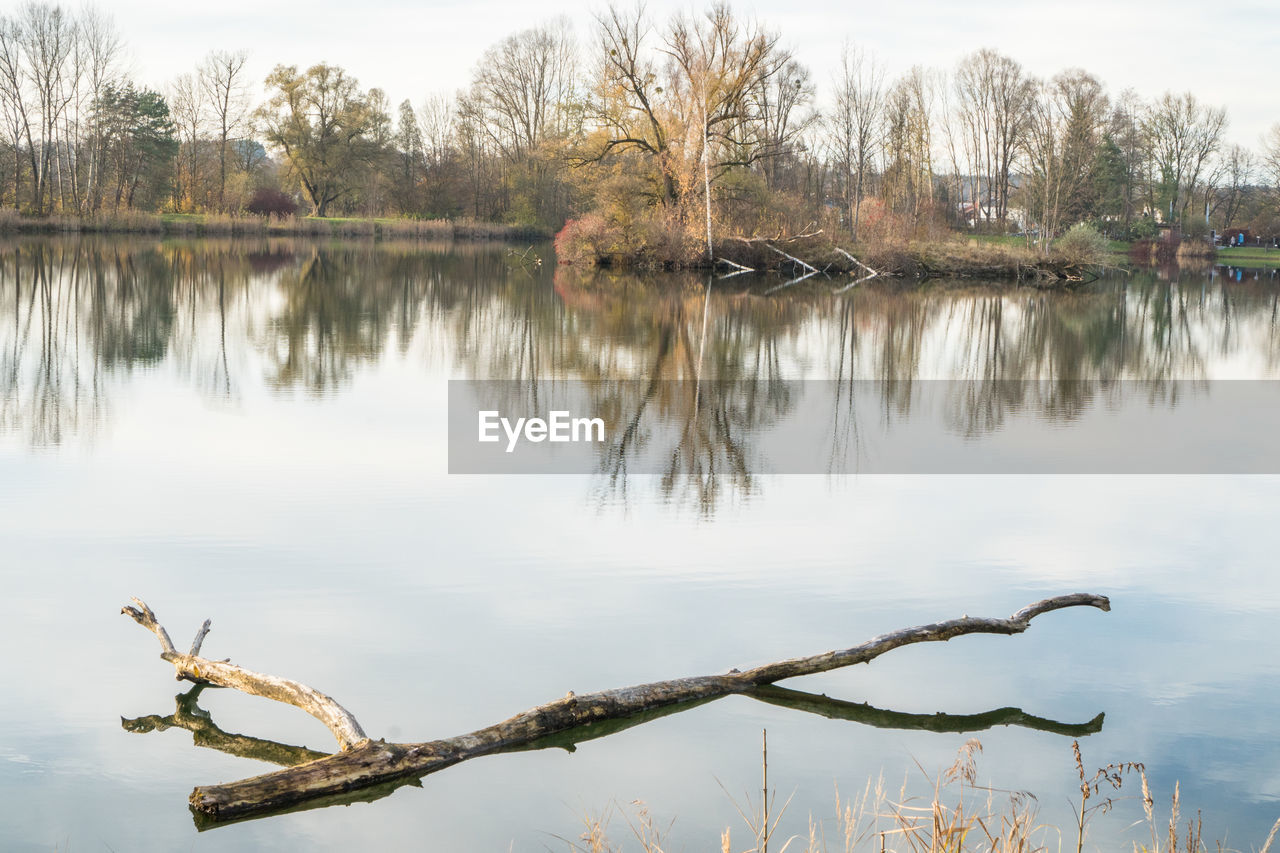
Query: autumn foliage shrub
x=582 y=241
x=661 y=238
x=271 y=202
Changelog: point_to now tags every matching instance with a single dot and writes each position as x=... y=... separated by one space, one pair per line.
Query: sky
x=1223 y=52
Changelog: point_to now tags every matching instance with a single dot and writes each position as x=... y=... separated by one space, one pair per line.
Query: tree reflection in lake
x=78 y=317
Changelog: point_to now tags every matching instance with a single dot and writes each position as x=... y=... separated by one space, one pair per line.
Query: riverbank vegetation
x=659 y=141
x=253 y=225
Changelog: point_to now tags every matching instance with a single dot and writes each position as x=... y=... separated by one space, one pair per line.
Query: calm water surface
x=256 y=433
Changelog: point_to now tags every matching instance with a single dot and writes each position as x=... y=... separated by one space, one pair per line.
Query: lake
x=256 y=432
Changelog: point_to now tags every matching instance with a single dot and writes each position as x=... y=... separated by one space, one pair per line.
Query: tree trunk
x=364 y=763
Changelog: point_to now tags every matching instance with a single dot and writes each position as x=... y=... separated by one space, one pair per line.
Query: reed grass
x=957 y=815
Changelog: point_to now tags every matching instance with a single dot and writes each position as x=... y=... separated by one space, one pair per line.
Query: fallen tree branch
x=871 y=273
x=737 y=266
x=791 y=258
x=364 y=763
x=779 y=238
x=192 y=667
x=205 y=733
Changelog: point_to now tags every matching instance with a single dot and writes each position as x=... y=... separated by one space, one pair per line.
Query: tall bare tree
x=907 y=182
x=1183 y=135
x=704 y=95
x=17 y=109
x=1271 y=159
x=103 y=48
x=1239 y=168
x=525 y=87
x=47 y=36
x=854 y=126
x=188 y=108
x=627 y=108
x=994 y=98
x=1083 y=105
x=223 y=79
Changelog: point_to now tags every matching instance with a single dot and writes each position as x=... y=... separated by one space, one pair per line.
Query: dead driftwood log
x=363 y=763
x=205 y=732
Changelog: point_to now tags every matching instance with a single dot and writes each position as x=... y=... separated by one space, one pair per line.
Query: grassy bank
x=223 y=225
x=1117 y=250
x=1250 y=256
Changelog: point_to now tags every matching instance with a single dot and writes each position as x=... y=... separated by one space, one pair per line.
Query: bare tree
x=104 y=50
x=17 y=110
x=1239 y=170
x=1183 y=135
x=907 y=181
x=188 y=107
x=223 y=80
x=1127 y=152
x=524 y=86
x=780 y=114
x=1270 y=161
x=708 y=102
x=1047 y=170
x=1063 y=137
x=627 y=105
x=1271 y=153
x=47 y=36
x=1083 y=107
x=994 y=97
x=436 y=118
x=854 y=125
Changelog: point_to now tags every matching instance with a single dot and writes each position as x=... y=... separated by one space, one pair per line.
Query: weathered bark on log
x=365 y=763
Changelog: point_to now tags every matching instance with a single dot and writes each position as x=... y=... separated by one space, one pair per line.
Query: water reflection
x=78 y=317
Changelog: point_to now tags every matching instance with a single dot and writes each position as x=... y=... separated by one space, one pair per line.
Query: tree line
x=653 y=127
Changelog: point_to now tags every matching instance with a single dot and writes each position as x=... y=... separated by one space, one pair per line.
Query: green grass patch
x=1250 y=256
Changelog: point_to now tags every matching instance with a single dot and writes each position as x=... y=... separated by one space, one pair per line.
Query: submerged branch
x=366 y=764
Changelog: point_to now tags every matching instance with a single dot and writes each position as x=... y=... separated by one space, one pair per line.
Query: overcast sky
x=1224 y=52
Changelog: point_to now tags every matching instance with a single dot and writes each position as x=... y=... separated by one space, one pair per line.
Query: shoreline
x=915 y=260
x=223 y=225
